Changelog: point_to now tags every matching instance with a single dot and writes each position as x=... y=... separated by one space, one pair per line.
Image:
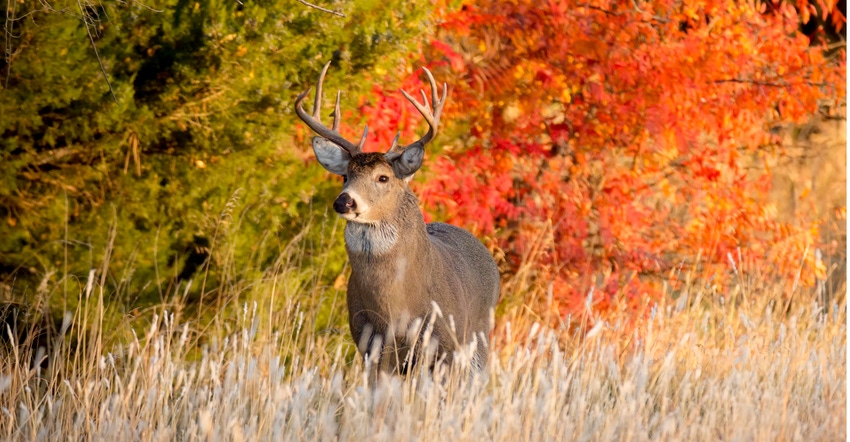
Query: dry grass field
x=748 y=363
x=753 y=361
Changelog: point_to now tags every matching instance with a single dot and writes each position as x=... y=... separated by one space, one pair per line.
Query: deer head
x=374 y=182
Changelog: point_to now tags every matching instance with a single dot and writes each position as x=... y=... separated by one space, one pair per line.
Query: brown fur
x=401 y=267
x=438 y=263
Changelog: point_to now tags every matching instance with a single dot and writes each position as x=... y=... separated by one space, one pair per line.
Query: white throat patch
x=371 y=239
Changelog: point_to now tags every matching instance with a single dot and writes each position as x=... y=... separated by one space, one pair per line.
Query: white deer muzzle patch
x=361 y=208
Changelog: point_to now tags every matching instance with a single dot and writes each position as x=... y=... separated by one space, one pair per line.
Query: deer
x=413 y=286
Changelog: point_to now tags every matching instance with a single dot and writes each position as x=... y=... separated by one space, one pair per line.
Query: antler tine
x=424 y=108
x=431 y=113
x=425 y=99
x=363 y=137
x=315 y=123
x=434 y=101
x=317 y=103
x=337 y=117
x=436 y=104
x=439 y=110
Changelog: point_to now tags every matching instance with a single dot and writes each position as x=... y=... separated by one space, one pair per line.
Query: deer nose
x=344 y=203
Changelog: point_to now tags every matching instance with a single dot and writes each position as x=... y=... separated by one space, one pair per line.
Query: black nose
x=344 y=203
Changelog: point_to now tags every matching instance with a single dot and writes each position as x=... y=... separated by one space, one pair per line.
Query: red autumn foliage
x=614 y=144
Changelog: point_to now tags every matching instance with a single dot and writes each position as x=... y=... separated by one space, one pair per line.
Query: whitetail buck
x=402 y=268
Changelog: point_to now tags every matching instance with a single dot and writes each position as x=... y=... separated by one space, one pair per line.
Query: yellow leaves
x=694 y=226
x=691 y=12
x=566 y=96
x=805 y=16
x=200 y=164
x=596 y=128
x=817 y=74
x=511 y=112
x=770 y=210
x=12 y=222
x=666 y=188
x=552 y=111
x=241 y=51
x=519 y=72
x=727 y=120
x=380 y=71
x=670 y=139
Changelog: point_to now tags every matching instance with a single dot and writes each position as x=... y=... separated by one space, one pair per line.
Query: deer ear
x=330 y=156
x=406 y=164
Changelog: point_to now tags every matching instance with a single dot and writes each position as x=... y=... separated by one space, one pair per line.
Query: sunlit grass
x=699 y=369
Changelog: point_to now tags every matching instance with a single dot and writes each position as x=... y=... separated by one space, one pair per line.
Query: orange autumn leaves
x=615 y=144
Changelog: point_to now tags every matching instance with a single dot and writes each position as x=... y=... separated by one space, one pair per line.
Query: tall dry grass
x=746 y=365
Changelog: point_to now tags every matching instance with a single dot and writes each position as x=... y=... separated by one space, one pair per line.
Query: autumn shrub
x=613 y=145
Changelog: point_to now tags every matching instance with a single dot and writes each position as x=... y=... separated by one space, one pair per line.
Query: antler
x=315 y=123
x=432 y=118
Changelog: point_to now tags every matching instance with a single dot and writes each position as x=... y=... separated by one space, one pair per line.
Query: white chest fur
x=374 y=239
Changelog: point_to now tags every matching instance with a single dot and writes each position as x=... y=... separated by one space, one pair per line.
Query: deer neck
x=385 y=258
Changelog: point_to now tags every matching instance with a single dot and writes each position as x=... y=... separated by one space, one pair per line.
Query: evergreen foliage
x=197 y=147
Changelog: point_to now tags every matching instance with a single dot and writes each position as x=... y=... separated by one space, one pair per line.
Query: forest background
x=604 y=151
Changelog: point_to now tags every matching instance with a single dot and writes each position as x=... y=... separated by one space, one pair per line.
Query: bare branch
x=99 y=61
x=781 y=84
x=339 y=14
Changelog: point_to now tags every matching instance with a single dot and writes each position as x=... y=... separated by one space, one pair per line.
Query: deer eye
x=345 y=178
x=383 y=178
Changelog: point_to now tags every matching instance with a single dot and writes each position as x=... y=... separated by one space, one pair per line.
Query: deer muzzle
x=344 y=203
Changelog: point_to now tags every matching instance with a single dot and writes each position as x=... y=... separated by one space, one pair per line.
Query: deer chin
x=357 y=217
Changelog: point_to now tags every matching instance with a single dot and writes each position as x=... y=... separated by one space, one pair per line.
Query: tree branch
x=339 y=14
x=764 y=83
x=99 y=61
